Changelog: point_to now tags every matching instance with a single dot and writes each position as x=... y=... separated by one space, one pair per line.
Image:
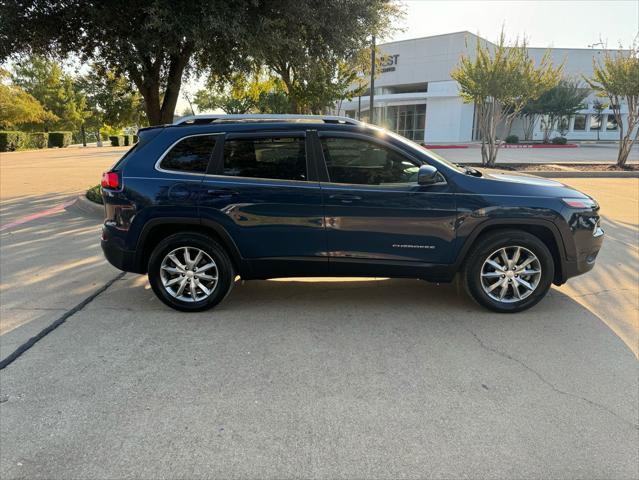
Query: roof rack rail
x=262 y=117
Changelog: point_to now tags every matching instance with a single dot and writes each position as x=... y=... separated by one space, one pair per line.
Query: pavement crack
x=548 y=383
x=45 y=331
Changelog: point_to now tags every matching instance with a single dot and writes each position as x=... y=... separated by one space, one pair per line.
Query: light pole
x=371 y=108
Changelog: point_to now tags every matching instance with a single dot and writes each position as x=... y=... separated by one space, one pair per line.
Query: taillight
x=110 y=180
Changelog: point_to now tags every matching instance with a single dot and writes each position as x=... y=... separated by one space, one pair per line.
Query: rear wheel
x=190 y=272
x=509 y=271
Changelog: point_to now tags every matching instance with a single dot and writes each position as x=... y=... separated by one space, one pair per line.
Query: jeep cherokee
x=196 y=203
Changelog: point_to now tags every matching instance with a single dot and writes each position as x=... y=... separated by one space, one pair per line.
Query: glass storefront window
x=611 y=124
x=595 y=122
x=580 y=123
x=406 y=120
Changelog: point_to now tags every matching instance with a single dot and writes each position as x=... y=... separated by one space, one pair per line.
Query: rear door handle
x=345 y=197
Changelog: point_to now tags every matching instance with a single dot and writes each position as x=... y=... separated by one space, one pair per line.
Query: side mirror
x=427 y=175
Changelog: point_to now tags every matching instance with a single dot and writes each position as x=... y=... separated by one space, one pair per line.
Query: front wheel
x=509 y=271
x=190 y=272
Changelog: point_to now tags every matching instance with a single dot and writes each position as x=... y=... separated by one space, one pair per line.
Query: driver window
x=351 y=160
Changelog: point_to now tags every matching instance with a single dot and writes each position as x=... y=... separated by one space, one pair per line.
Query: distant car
x=199 y=202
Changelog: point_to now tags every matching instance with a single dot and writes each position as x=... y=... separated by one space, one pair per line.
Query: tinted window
x=362 y=162
x=580 y=122
x=190 y=155
x=277 y=158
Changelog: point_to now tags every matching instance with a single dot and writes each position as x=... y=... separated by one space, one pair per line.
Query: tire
x=481 y=274
x=166 y=275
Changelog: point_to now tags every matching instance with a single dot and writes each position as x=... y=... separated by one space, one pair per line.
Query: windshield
x=419 y=150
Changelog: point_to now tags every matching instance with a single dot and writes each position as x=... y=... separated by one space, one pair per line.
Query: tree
x=241 y=93
x=501 y=81
x=111 y=100
x=54 y=90
x=312 y=45
x=18 y=108
x=559 y=104
x=156 y=43
x=599 y=107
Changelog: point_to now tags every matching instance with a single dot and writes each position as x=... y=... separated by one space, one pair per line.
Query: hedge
x=59 y=139
x=512 y=139
x=128 y=140
x=38 y=140
x=559 y=141
x=117 y=140
x=11 y=141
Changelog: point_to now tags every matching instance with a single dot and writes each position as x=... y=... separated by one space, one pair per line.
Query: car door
x=260 y=191
x=375 y=212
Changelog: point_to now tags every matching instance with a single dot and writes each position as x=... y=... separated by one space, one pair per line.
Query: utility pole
x=359 y=107
x=371 y=108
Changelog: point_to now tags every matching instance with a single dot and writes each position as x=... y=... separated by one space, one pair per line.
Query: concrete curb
x=87 y=206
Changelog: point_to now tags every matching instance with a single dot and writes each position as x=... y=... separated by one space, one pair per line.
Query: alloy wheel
x=510 y=274
x=189 y=274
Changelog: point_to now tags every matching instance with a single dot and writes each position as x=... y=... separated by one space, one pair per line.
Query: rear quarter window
x=190 y=155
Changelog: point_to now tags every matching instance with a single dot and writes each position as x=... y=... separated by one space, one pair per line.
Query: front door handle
x=345 y=197
x=221 y=192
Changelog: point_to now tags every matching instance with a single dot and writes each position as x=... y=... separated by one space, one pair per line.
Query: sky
x=551 y=23
x=566 y=24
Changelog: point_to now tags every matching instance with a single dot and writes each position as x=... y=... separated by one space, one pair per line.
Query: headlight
x=580 y=202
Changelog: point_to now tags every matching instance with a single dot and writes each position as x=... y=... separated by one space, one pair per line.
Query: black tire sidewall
x=493 y=242
x=226 y=274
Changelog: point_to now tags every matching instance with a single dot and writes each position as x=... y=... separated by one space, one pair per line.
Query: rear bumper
x=121 y=259
x=114 y=251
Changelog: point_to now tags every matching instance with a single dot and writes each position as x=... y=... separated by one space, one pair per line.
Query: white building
x=416 y=97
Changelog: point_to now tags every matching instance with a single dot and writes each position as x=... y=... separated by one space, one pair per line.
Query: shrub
x=559 y=141
x=38 y=140
x=11 y=141
x=128 y=140
x=117 y=140
x=59 y=139
x=135 y=139
x=95 y=194
x=512 y=139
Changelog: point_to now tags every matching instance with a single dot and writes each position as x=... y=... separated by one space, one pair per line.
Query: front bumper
x=588 y=248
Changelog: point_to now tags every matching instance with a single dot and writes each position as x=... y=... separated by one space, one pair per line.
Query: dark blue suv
x=199 y=202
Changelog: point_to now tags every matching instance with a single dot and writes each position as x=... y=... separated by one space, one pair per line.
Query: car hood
x=506 y=182
x=507 y=176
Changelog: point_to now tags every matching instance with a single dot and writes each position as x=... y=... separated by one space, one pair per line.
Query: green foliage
x=157 y=42
x=512 y=139
x=95 y=194
x=501 y=81
x=128 y=140
x=59 y=139
x=17 y=107
x=38 y=140
x=559 y=141
x=558 y=104
x=117 y=140
x=617 y=78
x=53 y=89
x=244 y=93
x=111 y=99
x=11 y=141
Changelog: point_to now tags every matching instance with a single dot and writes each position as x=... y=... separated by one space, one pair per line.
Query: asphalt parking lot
x=363 y=378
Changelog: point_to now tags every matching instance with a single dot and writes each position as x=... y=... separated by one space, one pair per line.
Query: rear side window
x=191 y=155
x=281 y=158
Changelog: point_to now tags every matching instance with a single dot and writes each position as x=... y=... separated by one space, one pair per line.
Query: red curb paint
x=435 y=147
x=34 y=216
x=540 y=145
